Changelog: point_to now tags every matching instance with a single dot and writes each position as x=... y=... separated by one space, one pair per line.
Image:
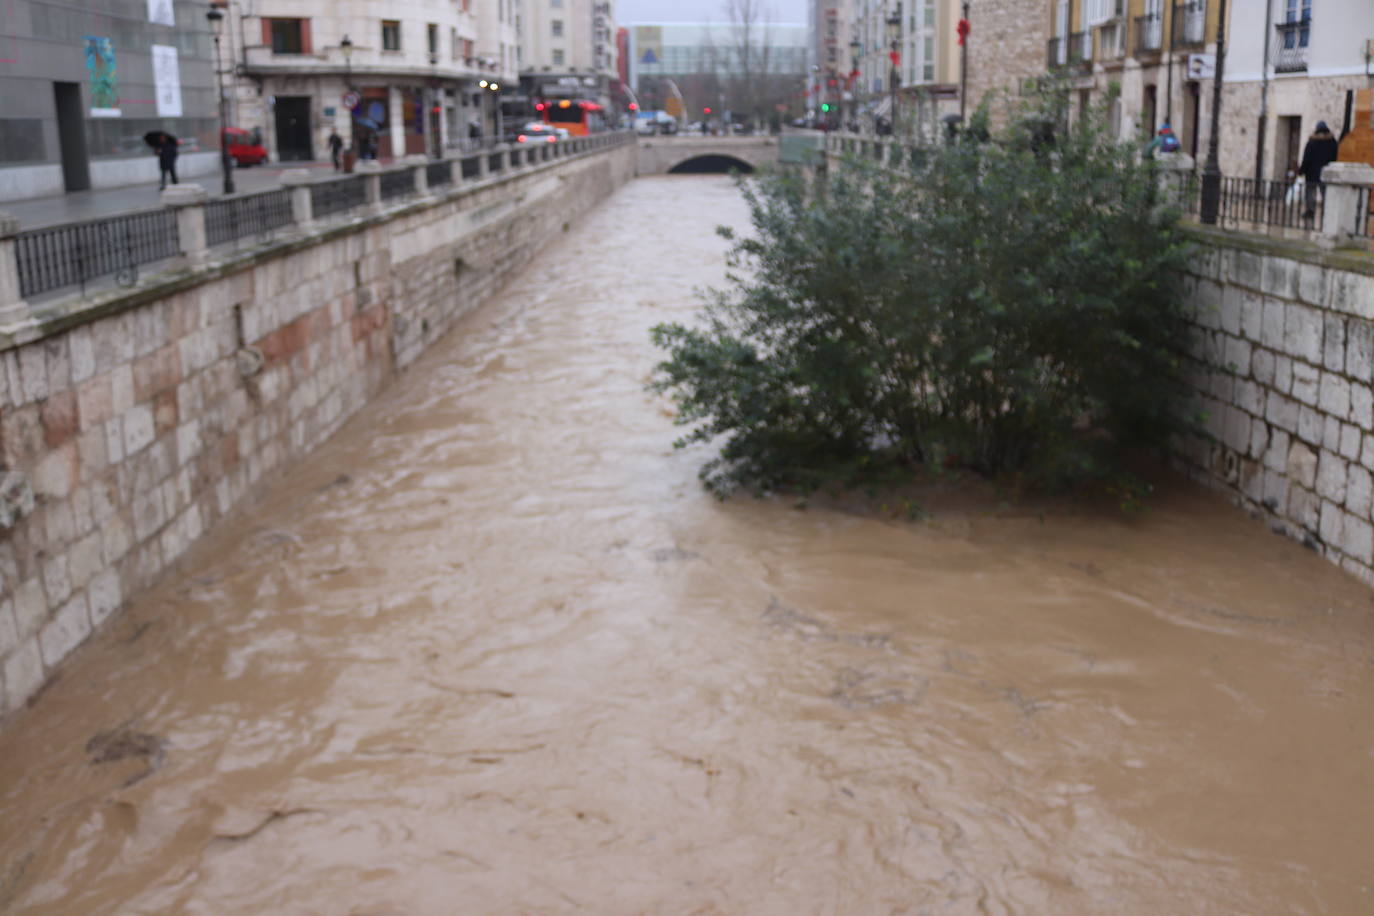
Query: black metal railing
x=397 y=183
x=231 y=218
x=1190 y=24
x=1364 y=213
x=438 y=174
x=1270 y=204
x=1149 y=33
x=74 y=253
x=337 y=196
x=495 y=162
x=472 y=167
x=1290 y=46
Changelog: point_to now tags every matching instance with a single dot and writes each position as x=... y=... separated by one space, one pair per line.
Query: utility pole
x=1211 y=173
x=964 y=30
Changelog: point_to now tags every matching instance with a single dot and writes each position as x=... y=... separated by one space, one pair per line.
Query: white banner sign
x=160 y=11
x=167 y=81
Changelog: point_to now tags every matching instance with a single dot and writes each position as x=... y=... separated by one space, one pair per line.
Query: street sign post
x=351 y=100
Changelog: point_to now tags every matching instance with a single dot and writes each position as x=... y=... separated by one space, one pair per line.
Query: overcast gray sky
x=632 y=11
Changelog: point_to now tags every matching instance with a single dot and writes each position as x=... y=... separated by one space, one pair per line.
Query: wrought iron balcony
x=1190 y=24
x=1290 y=46
x=1149 y=33
x=1058 y=53
x=1081 y=50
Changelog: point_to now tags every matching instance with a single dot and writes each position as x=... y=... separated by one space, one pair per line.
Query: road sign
x=351 y=100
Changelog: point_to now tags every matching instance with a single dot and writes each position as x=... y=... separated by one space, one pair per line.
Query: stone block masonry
x=1283 y=361
x=134 y=421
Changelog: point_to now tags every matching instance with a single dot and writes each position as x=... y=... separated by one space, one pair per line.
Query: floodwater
x=494 y=650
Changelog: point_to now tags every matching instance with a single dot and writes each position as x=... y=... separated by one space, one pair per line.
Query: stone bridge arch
x=660 y=155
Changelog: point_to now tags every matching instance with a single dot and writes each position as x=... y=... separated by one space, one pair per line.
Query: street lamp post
x=1211 y=172
x=216 y=18
x=346 y=46
x=495 y=87
x=855 y=47
x=894 y=37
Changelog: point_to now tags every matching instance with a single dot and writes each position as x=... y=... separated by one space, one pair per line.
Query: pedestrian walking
x=167 y=159
x=335 y=148
x=1320 y=151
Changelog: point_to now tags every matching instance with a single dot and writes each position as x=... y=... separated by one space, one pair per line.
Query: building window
x=467 y=50
x=557 y=26
x=558 y=57
x=453 y=44
x=391 y=35
x=288 y=36
x=928 y=60
x=433 y=36
x=556 y=4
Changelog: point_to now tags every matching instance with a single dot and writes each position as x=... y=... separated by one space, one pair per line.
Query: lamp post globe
x=215 y=16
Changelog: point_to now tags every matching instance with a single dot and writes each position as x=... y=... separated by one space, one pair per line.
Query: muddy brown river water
x=494 y=650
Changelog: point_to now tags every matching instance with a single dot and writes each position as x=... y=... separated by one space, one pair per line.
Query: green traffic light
x=825 y=106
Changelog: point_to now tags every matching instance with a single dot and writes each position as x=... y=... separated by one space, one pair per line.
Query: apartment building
x=1289 y=64
x=401 y=76
x=567 y=48
x=82 y=84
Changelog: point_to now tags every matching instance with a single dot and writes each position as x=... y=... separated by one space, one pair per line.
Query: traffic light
x=825 y=106
x=705 y=111
x=634 y=107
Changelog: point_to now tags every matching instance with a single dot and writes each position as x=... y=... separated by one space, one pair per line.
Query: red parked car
x=245 y=147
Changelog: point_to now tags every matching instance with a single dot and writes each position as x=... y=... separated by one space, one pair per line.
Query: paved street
x=45 y=211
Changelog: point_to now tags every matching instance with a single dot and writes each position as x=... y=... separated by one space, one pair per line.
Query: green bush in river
x=1010 y=306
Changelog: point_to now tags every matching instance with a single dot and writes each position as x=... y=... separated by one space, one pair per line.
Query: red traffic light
x=538 y=106
x=705 y=111
x=634 y=107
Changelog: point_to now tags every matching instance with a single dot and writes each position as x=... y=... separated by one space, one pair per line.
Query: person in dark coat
x=167 y=158
x=1319 y=152
x=336 y=149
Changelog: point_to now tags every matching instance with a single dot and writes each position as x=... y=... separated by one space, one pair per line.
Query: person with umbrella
x=166 y=147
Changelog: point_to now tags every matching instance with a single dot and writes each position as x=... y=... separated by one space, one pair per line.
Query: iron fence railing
x=337 y=196
x=231 y=218
x=397 y=183
x=438 y=174
x=56 y=257
x=1258 y=203
x=1364 y=213
x=1058 y=52
x=75 y=253
x=1080 y=49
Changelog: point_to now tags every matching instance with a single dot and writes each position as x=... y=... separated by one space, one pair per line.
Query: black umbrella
x=154 y=138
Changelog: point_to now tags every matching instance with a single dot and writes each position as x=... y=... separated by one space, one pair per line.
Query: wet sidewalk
x=81 y=205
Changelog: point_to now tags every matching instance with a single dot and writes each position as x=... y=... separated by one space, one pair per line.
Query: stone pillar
x=417 y=163
x=512 y=154
x=188 y=203
x=1174 y=169
x=298 y=181
x=371 y=170
x=13 y=309
x=455 y=170
x=1340 y=217
x=483 y=162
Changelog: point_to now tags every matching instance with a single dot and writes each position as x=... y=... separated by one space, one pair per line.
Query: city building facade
x=392 y=77
x=83 y=85
x=567 y=49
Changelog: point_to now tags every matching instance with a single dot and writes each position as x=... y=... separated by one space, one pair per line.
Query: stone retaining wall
x=133 y=421
x=1283 y=361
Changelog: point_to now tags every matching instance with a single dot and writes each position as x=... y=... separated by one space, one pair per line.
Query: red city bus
x=578 y=116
